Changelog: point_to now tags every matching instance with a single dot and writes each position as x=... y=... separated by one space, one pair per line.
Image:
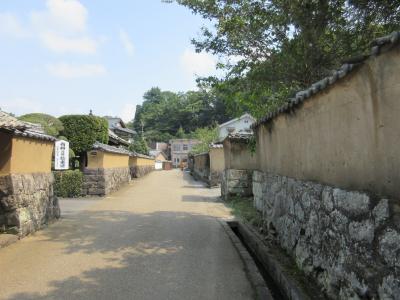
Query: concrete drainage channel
x=268 y=275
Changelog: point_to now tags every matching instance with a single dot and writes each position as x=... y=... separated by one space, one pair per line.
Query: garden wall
x=108 y=169
x=103 y=181
x=239 y=165
x=140 y=166
x=347 y=135
x=315 y=155
x=201 y=167
x=27 y=202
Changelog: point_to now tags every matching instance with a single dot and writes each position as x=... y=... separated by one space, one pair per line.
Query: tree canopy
x=51 y=125
x=164 y=114
x=272 y=48
x=82 y=131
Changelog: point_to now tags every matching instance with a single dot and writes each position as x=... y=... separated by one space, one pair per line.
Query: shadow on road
x=138 y=262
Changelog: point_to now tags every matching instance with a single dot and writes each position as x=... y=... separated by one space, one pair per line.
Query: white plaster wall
x=239 y=125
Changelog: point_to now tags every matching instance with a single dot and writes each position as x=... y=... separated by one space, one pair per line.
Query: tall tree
x=283 y=45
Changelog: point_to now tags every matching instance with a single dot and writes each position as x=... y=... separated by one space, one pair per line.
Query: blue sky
x=70 y=56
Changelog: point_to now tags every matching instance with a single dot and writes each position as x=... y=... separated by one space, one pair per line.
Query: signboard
x=61 y=155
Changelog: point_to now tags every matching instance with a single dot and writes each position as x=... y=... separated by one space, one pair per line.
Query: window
x=185 y=147
x=246 y=121
x=176 y=147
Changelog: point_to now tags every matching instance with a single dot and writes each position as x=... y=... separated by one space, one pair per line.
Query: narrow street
x=158 y=238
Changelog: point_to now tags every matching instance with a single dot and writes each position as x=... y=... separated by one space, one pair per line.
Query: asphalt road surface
x=157 y=238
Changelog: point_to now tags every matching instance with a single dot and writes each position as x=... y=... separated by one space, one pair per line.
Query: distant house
x=238 y=125
x=119 y=134
x=158 y=155
x=180 y=149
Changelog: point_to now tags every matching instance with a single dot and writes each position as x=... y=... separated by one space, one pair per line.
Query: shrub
x=68 y=183
x=82 y=131
x=51 y=125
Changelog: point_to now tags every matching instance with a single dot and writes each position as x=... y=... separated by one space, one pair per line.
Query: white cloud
x=61 y=44
x=20 y=106
x=126 y=42
x=60 y=27
x=201 y=64
x=128 y=112
x=11 y=26
x=66 y=16
x=66 y=70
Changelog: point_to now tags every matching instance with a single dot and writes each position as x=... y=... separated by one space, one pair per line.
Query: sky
x=72 y=56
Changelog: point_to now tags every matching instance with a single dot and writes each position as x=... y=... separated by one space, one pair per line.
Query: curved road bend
x=158 y=238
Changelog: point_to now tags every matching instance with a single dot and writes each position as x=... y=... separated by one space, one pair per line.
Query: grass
x=243 y=208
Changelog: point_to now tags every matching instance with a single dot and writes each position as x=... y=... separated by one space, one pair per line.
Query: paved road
x=158 y=238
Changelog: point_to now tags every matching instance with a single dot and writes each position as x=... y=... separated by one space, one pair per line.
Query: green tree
x=82 y=131
x=139 y=146
x=163 y=113
x=180 y=134
x=206 y=136
x=285 y=45
x=51 y=125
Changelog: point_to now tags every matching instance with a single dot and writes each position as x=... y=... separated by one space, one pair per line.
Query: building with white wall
x=241 y=124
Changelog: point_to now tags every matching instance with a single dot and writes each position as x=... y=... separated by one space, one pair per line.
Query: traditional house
x=27 y=200
x=238 y=125
x=159 y=158
x=180 y=149
x=119 y=131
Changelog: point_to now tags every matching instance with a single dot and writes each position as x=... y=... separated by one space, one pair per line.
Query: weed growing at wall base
x=243 y=208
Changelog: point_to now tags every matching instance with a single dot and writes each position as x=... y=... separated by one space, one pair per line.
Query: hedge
x=82 y=131
x=68 y=183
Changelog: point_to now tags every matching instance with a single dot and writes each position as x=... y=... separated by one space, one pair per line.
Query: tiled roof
x=34 y=135
x=9 y=122
x=389 y=40
x=115 y=137
x=240 y=136
x=216 y=146
x=127 y=130
x=111 y=149
x=21 y=128
x=135 y=154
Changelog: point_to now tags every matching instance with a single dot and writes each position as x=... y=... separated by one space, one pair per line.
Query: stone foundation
x=215 y=178
x=27 y=202
x=236 y=183
x=140 y=171
x=100 y=182
x=348 y=241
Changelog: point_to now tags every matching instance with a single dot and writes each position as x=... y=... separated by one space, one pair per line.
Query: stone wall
x=100 y=182
x=27 y=202
x=201 y=167
x=349 y=241
x=140 y=171
x=236 y=183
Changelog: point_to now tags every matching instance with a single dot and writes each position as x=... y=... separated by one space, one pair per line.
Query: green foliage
x=51 y=125
x=163 y=113
x=243 y=208
x=68 y=183
x=282 y=46
x=180 y=134
x=139 y=146
x=82 y=131
x=206 y=136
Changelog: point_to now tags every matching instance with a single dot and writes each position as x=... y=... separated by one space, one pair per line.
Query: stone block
x=362 y=231
x=354 y=203
x=389 y=247
x=381 y=212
